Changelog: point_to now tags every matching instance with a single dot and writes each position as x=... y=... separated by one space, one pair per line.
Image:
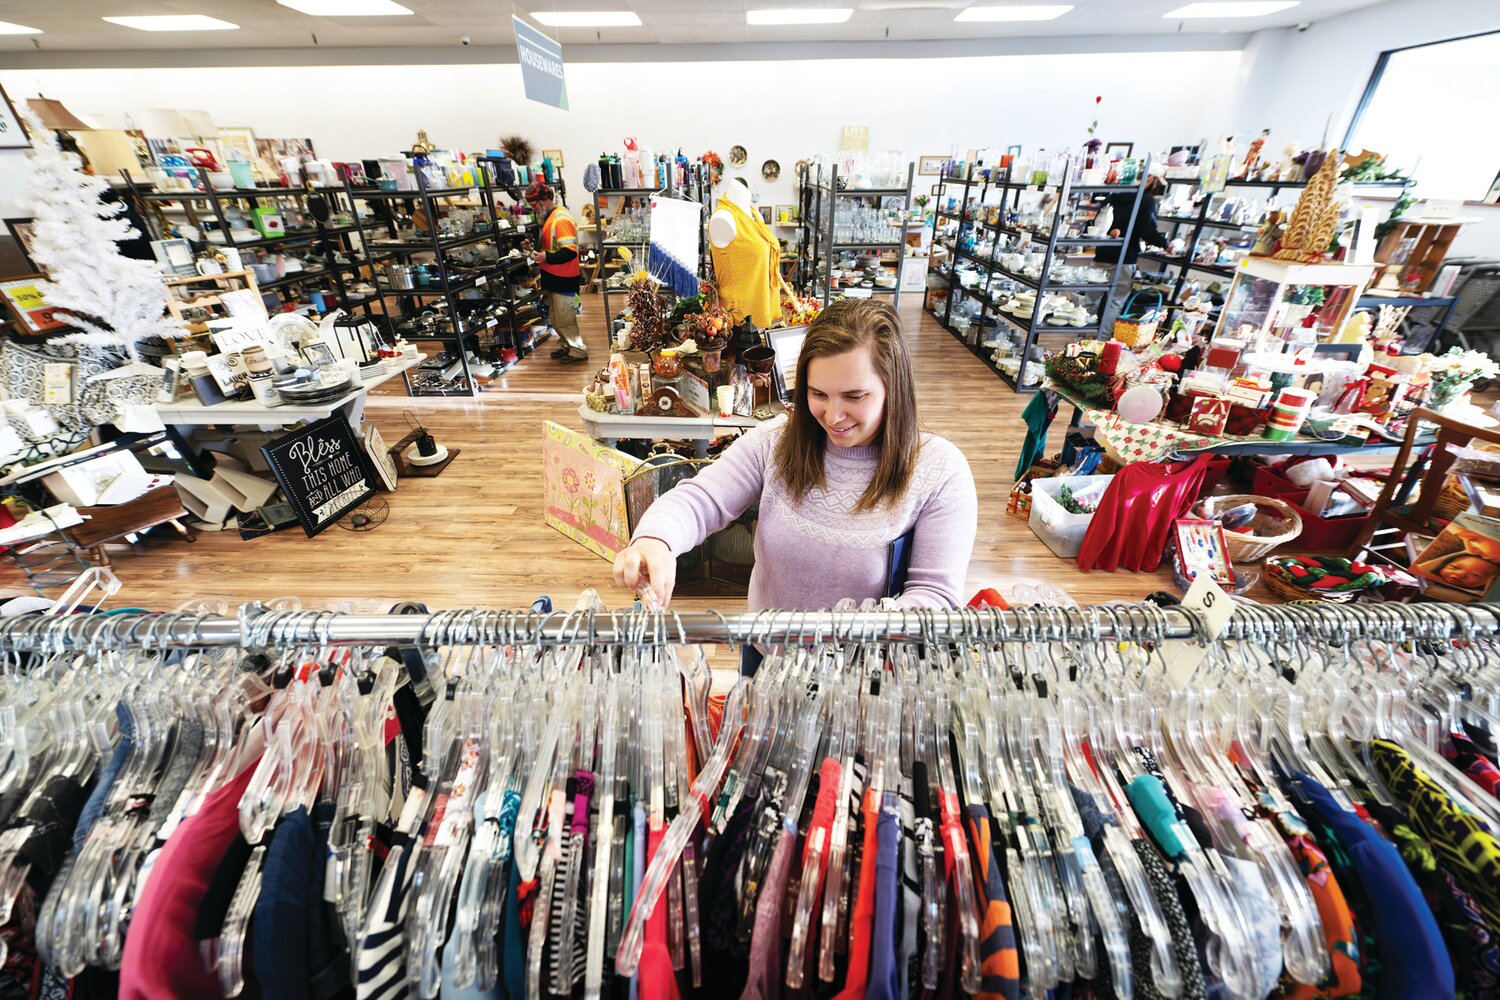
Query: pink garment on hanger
x=161 y=960
x=1131 y=527
x=657 y=979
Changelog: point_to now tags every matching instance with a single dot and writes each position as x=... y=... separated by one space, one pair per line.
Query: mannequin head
x=854 y=389
x=737 y=190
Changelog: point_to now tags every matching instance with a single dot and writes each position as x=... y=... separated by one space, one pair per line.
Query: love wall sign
x=322 y=470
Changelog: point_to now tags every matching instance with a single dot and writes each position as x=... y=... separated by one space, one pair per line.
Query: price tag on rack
x=483 y=280
x=1215 y=608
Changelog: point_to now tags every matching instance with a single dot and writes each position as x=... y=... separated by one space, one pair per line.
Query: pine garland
x=117 y=302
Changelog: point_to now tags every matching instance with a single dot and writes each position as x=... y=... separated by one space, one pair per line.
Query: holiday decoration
x=647 y=324
x=117 y=302
x=1310 y=230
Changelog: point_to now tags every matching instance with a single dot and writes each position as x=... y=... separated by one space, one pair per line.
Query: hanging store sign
x=322 y=470
x=541 y=65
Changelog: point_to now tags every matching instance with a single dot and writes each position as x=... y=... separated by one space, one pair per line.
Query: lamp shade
x=109 y=151
x=200 y=123
x=162 y=123
x=54 y=115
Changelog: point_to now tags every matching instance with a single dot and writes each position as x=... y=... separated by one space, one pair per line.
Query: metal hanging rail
x=256 y=627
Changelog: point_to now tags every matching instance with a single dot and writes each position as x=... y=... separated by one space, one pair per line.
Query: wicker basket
x=1452 y=500
x=1137 y=329
x=1275 y=523
x=1277 y=583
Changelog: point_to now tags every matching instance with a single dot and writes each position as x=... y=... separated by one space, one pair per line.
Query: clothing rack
x=255 y=626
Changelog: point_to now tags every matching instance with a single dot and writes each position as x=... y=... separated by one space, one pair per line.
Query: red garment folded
x=1134 y=520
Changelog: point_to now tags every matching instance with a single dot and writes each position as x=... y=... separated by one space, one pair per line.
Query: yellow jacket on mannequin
x=747 y=268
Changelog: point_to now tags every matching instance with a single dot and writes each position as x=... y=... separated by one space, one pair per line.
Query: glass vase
x=1443 y=395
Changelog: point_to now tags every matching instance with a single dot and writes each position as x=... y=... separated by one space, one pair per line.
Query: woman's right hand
x=647 y=561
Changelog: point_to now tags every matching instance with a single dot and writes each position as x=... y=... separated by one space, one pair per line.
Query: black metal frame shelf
x=456 y=330
x=996 y=180
x=329 y=271
x=820 y=222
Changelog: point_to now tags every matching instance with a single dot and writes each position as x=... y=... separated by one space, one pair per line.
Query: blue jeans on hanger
x=897 y=566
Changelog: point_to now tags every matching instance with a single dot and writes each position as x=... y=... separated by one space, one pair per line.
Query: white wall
x=1294 y=80
x=784 y=111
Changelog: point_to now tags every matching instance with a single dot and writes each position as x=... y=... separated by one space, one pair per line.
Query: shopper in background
x=1142 y=227
x=843 y=477
x=561 y=273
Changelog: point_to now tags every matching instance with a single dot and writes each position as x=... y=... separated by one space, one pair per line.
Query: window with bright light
x=1430 y=110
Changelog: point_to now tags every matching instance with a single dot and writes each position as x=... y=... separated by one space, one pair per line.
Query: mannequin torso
x=721 y=225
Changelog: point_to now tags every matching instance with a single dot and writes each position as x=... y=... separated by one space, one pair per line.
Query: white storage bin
x=1063 y=532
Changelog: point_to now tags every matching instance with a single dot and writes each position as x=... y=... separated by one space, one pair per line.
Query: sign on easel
x=322 y=470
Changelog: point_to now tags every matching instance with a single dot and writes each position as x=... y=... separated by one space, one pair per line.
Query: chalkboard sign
x=322 y=470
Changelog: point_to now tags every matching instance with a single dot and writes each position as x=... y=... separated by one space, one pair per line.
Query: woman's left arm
x=943 y=536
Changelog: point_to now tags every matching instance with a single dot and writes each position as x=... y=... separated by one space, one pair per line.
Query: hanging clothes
x=1037 y=416
x=1133 y=522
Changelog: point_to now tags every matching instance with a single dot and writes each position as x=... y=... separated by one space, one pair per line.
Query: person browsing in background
x=561 y=272
x=847 y=473
x=1143 y=229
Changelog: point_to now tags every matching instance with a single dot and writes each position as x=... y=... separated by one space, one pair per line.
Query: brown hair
x=844 y=326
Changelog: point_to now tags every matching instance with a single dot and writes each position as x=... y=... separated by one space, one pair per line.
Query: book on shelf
x=1483 y=494
x=1463 y=562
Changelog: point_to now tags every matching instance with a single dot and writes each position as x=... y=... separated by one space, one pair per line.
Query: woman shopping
x=845 y=482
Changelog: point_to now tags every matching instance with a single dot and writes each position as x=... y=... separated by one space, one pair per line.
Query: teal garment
x=1038 y=419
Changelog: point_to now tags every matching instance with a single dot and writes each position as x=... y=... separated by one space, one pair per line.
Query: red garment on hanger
x=1134 y=520
x=655 y=976
x=161 y=954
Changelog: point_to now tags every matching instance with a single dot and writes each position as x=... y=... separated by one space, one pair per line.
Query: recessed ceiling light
x=1232 y=8
x=6 y=28
x=172 y=22
x=347 y=8
x=799 y=15
x=1028 y=12
x=587 y=18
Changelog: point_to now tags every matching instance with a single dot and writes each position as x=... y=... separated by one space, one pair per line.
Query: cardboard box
x=110 y=479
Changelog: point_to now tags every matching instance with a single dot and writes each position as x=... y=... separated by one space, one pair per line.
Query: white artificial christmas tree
x=116 y=301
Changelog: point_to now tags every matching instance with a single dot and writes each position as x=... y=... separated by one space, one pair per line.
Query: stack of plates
x=308 y=386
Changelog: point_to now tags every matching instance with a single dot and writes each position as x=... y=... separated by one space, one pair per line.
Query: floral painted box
x=583 y=492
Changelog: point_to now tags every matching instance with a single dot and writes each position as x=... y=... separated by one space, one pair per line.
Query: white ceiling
x=75 y=25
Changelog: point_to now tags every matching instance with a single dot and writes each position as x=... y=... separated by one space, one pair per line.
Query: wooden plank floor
x=475 y=536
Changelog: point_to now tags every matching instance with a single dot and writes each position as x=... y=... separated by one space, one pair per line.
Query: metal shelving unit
x=1054 y=237
x=329 y=269
x=819 y=226
x=459 y=322
x=1197 y=224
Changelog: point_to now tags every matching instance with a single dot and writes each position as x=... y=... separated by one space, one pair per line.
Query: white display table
x=250 y=413
x=612 y=427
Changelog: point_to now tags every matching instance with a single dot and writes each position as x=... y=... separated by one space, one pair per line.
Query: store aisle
x=475 y=536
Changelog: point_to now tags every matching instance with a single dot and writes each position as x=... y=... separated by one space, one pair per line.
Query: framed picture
x=322 y=471
x=28 y=307
x=20 y=231
x=765 y=213
x=555 y=155
x=320 y=354
x=1123 y=148
x=936 y=189
x=12 y=132
x=931 y=166
x=1013 y=151
x=786 y=343
x=786 y=214
x=380 y=459
x=238 y=143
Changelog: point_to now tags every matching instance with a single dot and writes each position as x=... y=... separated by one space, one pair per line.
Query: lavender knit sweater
x=810 y=555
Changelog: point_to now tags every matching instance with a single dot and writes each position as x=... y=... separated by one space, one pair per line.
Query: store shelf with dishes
x=826 y=208
x=999 y=198
x=318 y=246
x=1199 y=224
x=483 y=326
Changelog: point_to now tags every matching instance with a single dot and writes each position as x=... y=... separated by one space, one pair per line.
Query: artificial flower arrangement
x=715 y=165
x=1453 y=373
x=799 y=310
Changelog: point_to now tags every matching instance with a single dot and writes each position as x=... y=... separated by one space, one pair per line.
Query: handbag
x=1136 y=329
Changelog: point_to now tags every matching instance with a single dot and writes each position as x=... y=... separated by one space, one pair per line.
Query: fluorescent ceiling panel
x=173 y=22
x=7 y=28
x=1012 y=12
x=1232 y=8
x=347 y=8
x=799 y=15
x=587 y=18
